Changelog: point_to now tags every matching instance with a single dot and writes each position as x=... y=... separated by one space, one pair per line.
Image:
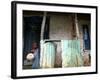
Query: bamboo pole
x=43 y=25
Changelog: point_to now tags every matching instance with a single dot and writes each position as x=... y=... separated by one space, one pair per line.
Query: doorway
x=31 y=33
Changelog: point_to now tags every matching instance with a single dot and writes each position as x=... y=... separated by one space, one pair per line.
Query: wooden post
x=43 y=25
x=76 y=25
x=73 y=27
x=42 y=34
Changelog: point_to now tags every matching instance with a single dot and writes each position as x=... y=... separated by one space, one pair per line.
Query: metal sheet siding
x=71 y=55
x=48 y=55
